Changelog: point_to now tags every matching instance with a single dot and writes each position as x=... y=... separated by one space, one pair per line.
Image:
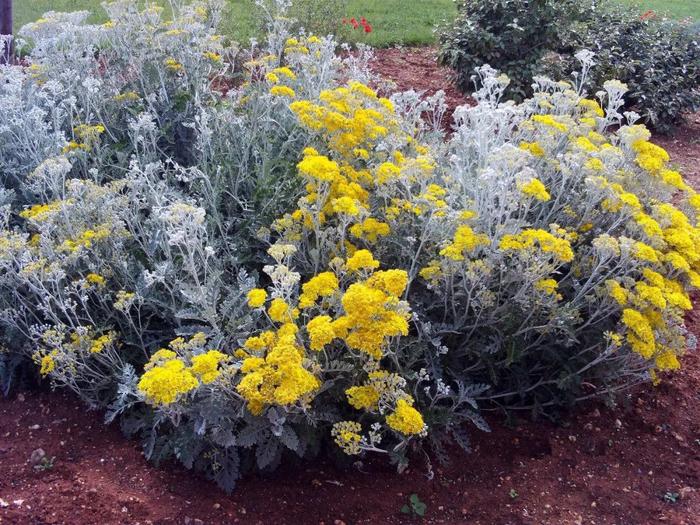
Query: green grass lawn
x=672 y=8
x=394 y=21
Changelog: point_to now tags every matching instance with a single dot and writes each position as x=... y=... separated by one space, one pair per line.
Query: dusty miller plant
x=245 y=254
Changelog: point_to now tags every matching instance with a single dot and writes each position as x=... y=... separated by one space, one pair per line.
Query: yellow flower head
x=280 y=311
x=535 y=189
x=530 y=239
x=347 y=436
x=406 y=419
x=282 y=91
x=48 y=365
x=257 y=297
x=362 y=260
x=320 y=331
x=206 y=366
x=163 y=384
x=465 y=241
x=393 y=282
x=363 y=397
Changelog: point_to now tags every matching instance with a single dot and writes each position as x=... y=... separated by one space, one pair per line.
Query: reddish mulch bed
x=416 y=68
x=637 y=464
x=684 y=147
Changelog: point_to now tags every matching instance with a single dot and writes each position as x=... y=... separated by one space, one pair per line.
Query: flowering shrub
x=238 y=277
x=658 y=59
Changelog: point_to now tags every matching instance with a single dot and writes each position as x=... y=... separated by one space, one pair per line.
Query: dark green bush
x=510 y=35
x=658 y=59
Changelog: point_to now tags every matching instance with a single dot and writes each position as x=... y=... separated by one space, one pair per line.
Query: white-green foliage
x=150 y=182
x=158 y=182
x=174 y=183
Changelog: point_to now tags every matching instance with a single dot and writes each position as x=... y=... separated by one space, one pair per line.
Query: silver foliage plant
x=158 y=183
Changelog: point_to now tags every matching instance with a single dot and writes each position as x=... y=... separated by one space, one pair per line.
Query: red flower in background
x=366 y=26
x=649 y=14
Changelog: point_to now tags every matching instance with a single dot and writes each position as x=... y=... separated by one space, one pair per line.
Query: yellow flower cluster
x=124 y=300
x=276 y=78
x=321 y=332
x=47 y=363
x=173 y=65
x=280 y=312
x=641 y=336
x=365 y=397
x=650 y=157
x=535 y=189
x=552 y=122
x=373 y=313
x=322 y=285
x=276 y=369
x=370 y=230
x=87 y=137
x=41 y=212
x=101 y=342
x=347 y=436
x=346 y=118
x=362 y=260
x=535 y=148
x=668 y=256
x=531 y=239
x=257 y=298
x=465 y=241
x=299 y=45
x=384 y=390
x=549 y=287
x=214 y=57
x=282 y=91
x=380 y=385
x=650 y=303
x=86 y=239
x=351 y=121
x=406 y=419
x=88 y=134
x=95 y=279
x=206 y=366
x=617 y=292
x=591 y=107
x=278 y=378
x=372 y=310
x=164 y=383
x=167 y=377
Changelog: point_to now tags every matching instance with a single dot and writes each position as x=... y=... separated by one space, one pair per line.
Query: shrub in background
x=509 y=35
x=658 y=59
x=303 y=262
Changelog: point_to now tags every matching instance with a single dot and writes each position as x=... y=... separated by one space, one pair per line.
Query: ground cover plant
x=658 y=59
x=248 y=254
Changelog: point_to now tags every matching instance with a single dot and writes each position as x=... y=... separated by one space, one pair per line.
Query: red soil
x=684 y=147
x=416 y=68
x=638 y=463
